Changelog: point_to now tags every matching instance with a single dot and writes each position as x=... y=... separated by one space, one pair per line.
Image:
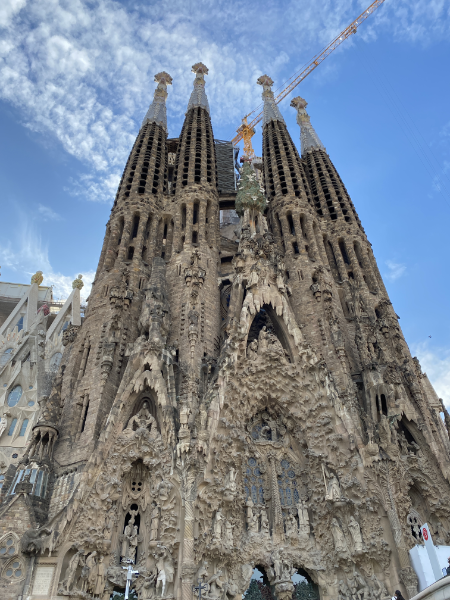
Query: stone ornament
x=38 y=278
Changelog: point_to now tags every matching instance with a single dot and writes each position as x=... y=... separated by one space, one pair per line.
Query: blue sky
x=76 y=79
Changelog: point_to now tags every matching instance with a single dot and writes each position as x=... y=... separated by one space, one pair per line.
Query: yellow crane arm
x=246 y=130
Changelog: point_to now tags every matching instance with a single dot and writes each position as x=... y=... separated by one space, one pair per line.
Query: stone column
x=189 y=216
x=311 y=238
x=112 y=245
x=125 y=239
x=202 y=222
x=169 y=239
x=152 y=238
x=286 y=235
x=188 y=568
x=339 y=261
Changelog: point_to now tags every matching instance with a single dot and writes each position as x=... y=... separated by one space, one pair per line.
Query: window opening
x=14 y=395
x=5 y=357
x=194 y=237
x=19 y=324
x=23 y=428
x=135 y=226
x=295 y=247
x=83 y=422
x=291 y=224
x=253 y=482
x=287 y=485
x=12 y=426
x=195 y=214
x=344 y=252
x=130 y=253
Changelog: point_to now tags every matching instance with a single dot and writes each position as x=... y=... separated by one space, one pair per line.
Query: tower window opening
x=194 y=237
x=302 y=225
x=295 y=247
x=183 y=216
x=84 y=417
x=344 y=252
x=350 y=275
x=135 y=227
x=165 y=232
x=384 y=408
x=195 y=214
x=130 y=252
x=291 y=224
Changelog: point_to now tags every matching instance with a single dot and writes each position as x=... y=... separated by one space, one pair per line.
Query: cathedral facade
x=229 y=403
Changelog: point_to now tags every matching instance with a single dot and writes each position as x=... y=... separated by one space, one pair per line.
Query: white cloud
x=82 y=71
x=47 y=214
x=396 y=270
x=436 y=364
x=32 y=255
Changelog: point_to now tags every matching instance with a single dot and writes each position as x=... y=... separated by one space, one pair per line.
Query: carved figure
x=69 y=576
x=164 y=566
x=155 y=522
x=145 y=586
x=303 y=519
x=252 y=350
x=3 y=423
x=142 y=419
x=130 y=540
x=263 y=342
x=291 y=526
x=217 y=526
x=355 y=532
x=333 y=489
x=228 y=535
x=264 y=523
x=338 y=535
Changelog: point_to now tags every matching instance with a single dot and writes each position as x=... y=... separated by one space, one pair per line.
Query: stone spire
x=271 y=110
x=157 y=109
x=308 y=137
x=198 y=96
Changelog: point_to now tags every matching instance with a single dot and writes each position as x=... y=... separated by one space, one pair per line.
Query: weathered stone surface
x=208 y=419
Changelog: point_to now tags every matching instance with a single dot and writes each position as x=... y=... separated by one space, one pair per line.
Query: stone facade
x=233 y=401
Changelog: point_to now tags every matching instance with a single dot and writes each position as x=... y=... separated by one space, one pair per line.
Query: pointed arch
x=267 y=317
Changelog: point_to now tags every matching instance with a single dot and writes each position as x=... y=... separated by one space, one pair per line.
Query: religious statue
x=378 y=589
x=252 y=518
x=130 y=536
x=277 y=564
x=303 y=519
x=69 y=576
x=263 y=342
x=264 y=523
x=291 y=526
x=230 y=480
x=355 y=532
x=252 y=350
x=165 y=568
x=332 y=487
x=217 y=526
x=3 y=423
x=228 y=534
x=142 y=419
x=100 y=577
x=145 y=586
x=338 y=535
x=215 y=585
x=155 y=522
x=344 y=592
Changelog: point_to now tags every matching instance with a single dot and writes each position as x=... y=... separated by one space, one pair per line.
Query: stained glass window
x=253 y=482
x=12 y=426
x=23 y=428
x=287 y=485
x=14 y=395
x=5 y=356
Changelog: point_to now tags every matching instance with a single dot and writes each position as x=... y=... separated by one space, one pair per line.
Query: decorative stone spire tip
x=308 y=136
x=271 y=110
x=198 y=95
x=157 y=110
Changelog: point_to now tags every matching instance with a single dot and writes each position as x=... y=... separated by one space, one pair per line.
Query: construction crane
x=247 y=130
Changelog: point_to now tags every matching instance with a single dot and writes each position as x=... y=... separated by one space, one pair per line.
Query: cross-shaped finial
x=198 y=588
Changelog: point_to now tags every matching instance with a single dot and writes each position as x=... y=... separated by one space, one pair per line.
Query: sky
x=76 y=78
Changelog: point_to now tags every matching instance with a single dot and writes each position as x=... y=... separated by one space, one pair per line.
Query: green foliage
x=249 y=194
x=304 y=590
